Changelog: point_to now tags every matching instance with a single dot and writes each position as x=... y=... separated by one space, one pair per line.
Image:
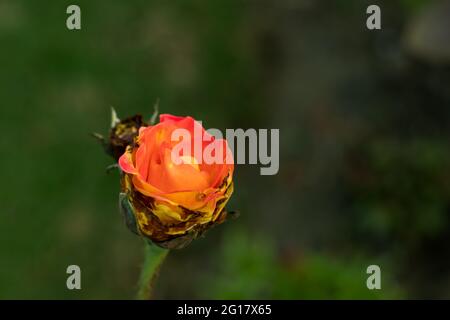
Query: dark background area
x=364 y=144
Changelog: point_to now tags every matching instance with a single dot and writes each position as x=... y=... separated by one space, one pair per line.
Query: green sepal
x=127 y=210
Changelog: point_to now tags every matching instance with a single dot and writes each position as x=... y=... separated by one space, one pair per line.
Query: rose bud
x=122 y=134
x=172 y=200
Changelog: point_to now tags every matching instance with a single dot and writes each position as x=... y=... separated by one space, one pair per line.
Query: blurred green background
x=364 y=144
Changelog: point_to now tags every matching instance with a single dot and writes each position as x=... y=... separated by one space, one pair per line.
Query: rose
x=169 y=202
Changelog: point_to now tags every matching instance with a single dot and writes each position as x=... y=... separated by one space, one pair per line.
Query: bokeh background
x=364 y=144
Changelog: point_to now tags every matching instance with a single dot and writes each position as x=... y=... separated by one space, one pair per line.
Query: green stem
x=154 y=257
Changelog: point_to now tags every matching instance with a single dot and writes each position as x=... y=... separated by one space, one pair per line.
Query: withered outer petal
x=178 y=234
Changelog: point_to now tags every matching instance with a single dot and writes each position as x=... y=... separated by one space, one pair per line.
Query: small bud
x=123 y=134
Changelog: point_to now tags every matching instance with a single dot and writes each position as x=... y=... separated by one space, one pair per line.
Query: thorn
x=155 y=112
x=111 y=167
x=114 y=119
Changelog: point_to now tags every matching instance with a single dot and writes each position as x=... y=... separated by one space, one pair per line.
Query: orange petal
x=126 y=162
x=168 y=117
